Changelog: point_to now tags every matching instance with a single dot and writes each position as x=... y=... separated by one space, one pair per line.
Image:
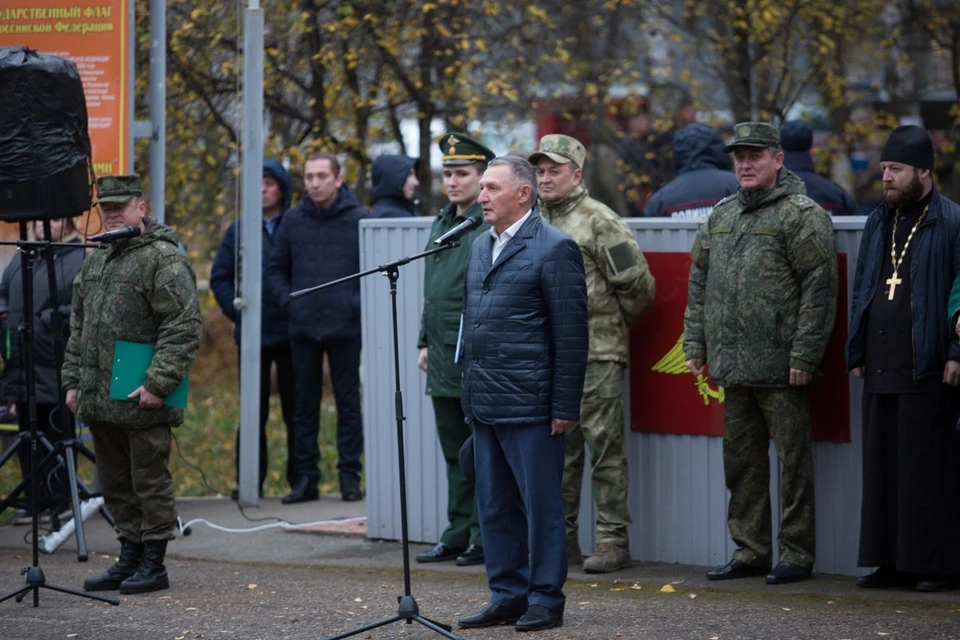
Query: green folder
x=130 y=363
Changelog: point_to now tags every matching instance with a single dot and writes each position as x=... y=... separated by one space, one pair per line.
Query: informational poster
x=666 y=398
x=94 y=35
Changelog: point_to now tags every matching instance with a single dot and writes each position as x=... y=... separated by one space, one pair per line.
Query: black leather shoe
x=491 y=616
x=440 y=553
x=473 y=555
x=538 y=617
x=934 y=584
x=786 y=572
x=883 y=578
x=304 y=490
x=350 y=489
x=734 y=570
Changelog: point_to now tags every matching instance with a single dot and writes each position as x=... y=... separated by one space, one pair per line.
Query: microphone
x=459 y=230
x=117 y=234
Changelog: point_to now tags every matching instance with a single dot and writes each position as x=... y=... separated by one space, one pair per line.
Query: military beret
x=754 y=134
x=461 y=149
x=119 y=189
x=561 y=149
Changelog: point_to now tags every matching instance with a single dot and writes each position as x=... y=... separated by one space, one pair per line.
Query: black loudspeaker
x=44 y=142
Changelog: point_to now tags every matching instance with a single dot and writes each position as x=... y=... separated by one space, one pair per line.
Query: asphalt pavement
x=293 y=583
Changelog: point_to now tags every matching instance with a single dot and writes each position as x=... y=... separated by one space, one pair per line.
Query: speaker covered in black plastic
x=44 y=141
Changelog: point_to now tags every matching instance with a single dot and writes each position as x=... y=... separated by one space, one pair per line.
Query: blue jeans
x=344 y=360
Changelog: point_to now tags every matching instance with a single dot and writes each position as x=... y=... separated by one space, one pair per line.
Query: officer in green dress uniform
x=464 y=161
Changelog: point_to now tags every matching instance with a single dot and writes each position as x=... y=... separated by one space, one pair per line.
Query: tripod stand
x=34 y=574
x=64 y=451
x=408 y=610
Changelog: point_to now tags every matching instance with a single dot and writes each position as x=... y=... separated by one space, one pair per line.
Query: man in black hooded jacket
x=394 y=185
x=704 y=176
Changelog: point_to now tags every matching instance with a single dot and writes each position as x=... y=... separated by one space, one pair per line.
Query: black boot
x=131 y=553
x=151 y=575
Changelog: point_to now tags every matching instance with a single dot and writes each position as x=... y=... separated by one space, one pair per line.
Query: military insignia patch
x=810 y=254
x=743 y=131
x=620 y=257
x=452 y=140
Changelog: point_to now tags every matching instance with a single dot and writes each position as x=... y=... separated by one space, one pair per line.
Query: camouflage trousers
x=134 y=472
x=601 y=428
x=751 y=416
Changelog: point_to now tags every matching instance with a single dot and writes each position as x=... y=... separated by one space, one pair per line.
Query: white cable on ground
x=272 y=525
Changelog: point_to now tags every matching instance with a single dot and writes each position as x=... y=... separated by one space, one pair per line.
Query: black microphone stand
x=408 y=611
x=35 y=578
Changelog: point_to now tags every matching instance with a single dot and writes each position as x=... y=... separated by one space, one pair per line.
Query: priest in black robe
x=902 y=346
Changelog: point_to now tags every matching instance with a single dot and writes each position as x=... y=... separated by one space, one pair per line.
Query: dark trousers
x=286 y=389
x=134 y=470
x=344 y=360
x=519 y=471
x=464 y=525
x=54 y=481
x=910 y=502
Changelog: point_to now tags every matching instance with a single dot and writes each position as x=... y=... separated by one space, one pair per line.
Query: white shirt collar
x=510 y=231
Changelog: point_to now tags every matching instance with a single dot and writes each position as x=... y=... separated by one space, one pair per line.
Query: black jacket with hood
x=704 y=175
x=223 y=274
x=389 y=175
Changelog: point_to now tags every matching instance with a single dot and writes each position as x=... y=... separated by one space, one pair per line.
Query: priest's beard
x=911 y=194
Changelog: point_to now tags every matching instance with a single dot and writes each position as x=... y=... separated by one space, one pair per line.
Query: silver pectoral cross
x=893 y=282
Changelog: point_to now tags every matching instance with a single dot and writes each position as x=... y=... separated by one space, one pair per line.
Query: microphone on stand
x=117 y=234
x=459 y=230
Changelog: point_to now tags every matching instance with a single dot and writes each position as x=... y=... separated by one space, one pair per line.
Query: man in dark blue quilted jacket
x=319 y=242
x=525 y=339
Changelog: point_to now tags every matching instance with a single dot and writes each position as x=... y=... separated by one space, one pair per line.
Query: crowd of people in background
x=538 y=299
x=497 y=418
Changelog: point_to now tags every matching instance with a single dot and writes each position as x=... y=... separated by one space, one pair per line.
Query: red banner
x=666 y=398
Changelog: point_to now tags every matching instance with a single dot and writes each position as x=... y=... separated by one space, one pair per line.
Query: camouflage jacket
x=620 y=286
x=762 y=296
x=139 y=290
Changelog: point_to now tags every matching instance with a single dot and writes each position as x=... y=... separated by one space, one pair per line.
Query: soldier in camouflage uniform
x=138 y=290
x=761 y=306
x=464 y=161
x=619 y=289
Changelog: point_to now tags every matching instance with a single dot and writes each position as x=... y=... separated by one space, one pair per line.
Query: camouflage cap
x=119 y=189
x=461 y=149
x=561 y=149
x=754 y=134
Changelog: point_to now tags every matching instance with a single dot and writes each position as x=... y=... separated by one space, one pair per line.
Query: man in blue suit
x=524 y=358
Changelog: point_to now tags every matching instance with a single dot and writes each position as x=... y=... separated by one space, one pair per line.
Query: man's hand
x=857 y=372
x=147 y=399
x=422 y=359
x=72 y=400
x=799 y=377
x=558 y=426
x=695 y=365
x=951 y=373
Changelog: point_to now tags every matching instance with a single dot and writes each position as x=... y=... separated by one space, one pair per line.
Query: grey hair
x=521 y=173
x=774 y=150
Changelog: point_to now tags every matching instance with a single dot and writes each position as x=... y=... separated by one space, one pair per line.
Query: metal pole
x=251 y=243
x=158 y=105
